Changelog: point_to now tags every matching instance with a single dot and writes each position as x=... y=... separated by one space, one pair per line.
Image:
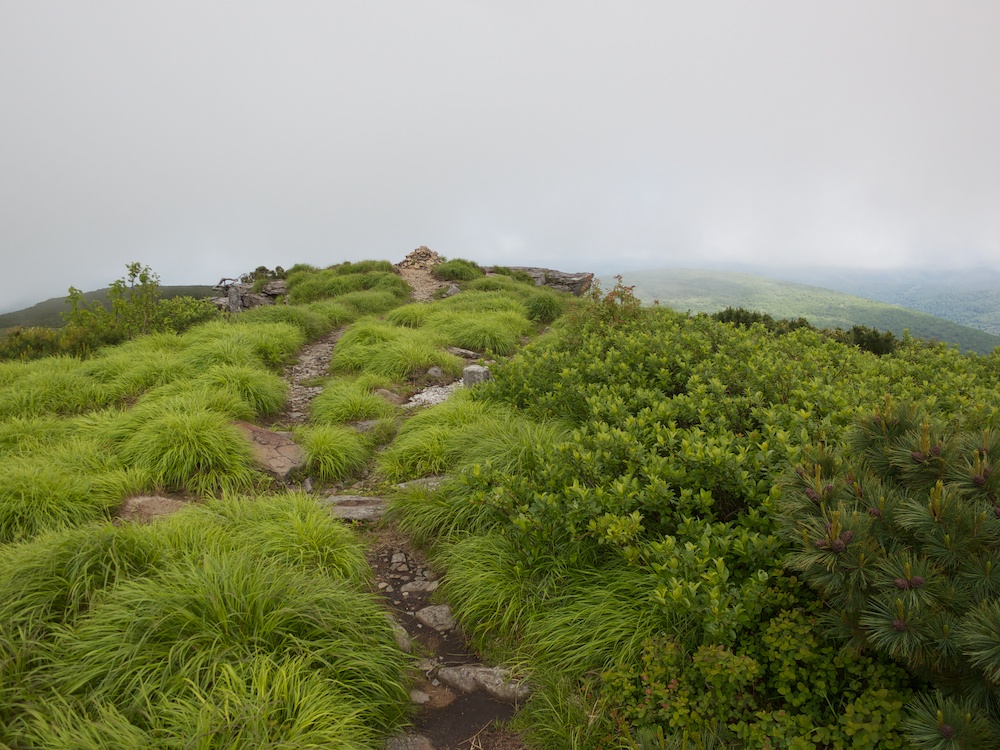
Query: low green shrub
x=457 y=270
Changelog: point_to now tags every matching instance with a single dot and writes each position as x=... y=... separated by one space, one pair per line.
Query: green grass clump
x=392 y=352
x=222 y=343
x=410 y=316
x=363 y=266
x=240 y=623
x=334 y=313
x=59 y=390
x=25 y=435
x=263 y=391
x=466 y=432
x=198 y=451
x=372 y=302
x=499 y=333
x=311 y=322
x=333 y=452
x=545 y=306
x=348 y=401
x=496 y=284
x=309 y=287
x=39 y=493
x=457 y=270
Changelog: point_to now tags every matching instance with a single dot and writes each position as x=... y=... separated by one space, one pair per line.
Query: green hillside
x=48 y=313
x=710 y=291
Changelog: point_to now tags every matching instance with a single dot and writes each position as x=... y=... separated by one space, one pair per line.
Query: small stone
x=474 y=374
x=424 y=587
x=419 y=697
x=307 y=486
x=435 y=372
x=437 y=616
x=398 y=557
x=400 y=635
x=408 y=742
x=436 y=683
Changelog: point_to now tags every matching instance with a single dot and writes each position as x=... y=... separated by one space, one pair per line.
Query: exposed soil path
x=456 y=716
x=303 y=378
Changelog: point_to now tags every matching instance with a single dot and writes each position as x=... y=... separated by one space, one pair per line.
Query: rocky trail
x=459 y=703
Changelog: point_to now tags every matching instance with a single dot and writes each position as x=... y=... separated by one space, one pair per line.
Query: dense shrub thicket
x=632 y=558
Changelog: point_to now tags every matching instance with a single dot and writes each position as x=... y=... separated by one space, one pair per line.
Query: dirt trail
x=444 y=718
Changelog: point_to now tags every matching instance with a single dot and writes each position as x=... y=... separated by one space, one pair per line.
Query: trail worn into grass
x=312 y=364
x=459 y=704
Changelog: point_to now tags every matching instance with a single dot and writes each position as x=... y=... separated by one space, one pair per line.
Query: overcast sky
x=205 y=138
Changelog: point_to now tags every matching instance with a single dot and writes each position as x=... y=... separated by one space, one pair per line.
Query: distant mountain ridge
x=709 y=291
x=49 y=312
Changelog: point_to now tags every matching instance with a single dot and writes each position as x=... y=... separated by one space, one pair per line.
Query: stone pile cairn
x=421 y=259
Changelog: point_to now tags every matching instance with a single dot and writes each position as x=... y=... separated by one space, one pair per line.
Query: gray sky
x=205 y=138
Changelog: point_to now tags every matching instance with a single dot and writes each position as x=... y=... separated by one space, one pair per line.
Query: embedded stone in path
x=437 y=616
x=474 y=374
x=400 y=635
x=146 y=508
x=355 y=507
x=431 y=483
x=276 y=452
x=494 y=680
x=408 y=742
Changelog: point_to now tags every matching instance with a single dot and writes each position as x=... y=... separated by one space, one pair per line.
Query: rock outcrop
x=240 y=297
x=574 y=283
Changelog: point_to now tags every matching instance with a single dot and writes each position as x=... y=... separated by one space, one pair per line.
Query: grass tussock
x=305 y=287
x=238 y=623
x=264 y=392
x=262 y=344
x=391 y=352
x=345 y=401
x=333 y=452
x=311 y=322
x=463 y=432
x=457 y=269
x=198 y=451
x=335 y=314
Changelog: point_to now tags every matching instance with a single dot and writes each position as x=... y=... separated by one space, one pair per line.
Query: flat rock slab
x=494 y=680
x=276 y=452
x=437 y=616
x=355 y=507
x=146 y=508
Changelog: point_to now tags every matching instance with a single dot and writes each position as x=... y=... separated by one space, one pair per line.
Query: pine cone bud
x=902 y=584
x=918 y=457
x=875 y=512
x=837 y=545
x=898 y=625
x=936 y=450
x=812 y=494
x=917 y=582
x=947 y=731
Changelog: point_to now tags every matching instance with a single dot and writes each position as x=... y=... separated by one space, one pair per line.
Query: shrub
x=457 y=270
x=901 y=537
